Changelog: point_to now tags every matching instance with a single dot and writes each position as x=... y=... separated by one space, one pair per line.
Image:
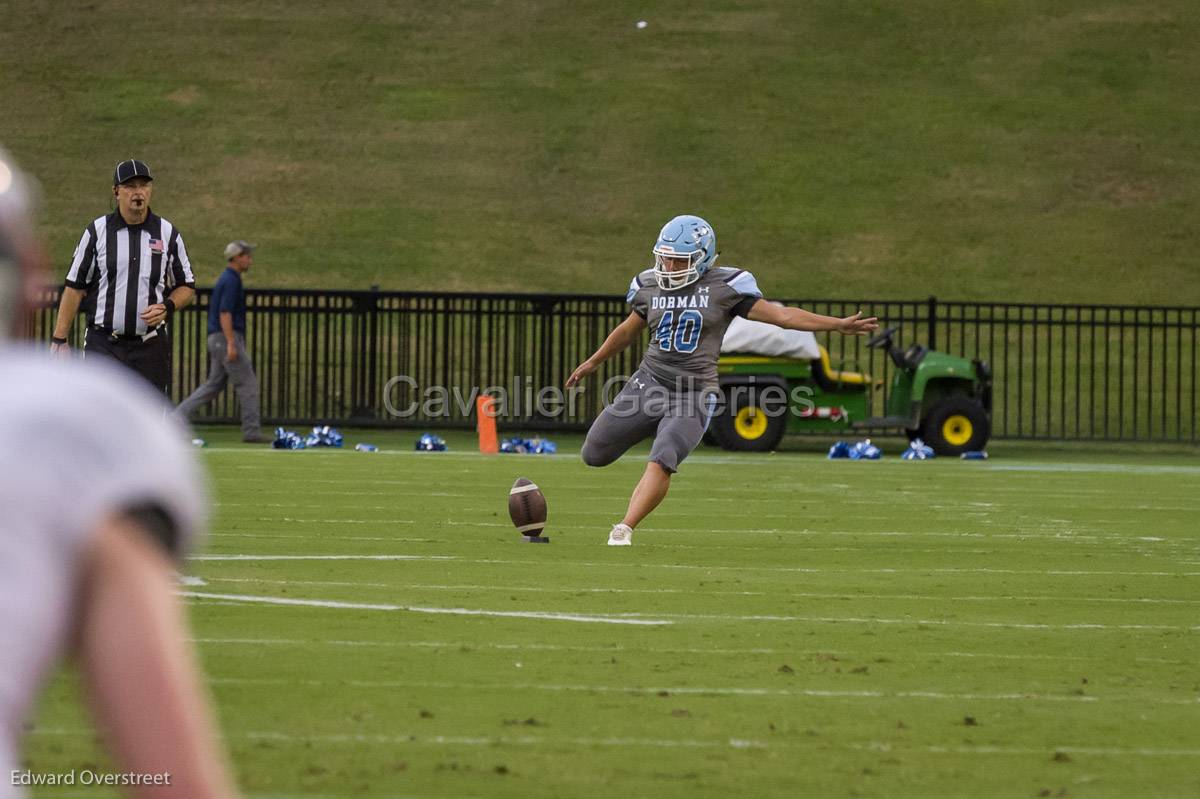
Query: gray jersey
x=688 y=324
x=78 y=442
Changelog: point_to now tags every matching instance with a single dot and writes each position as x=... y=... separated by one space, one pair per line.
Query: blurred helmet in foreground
x=19 y=254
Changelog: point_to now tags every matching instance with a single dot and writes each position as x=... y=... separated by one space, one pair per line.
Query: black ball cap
x=128 y=170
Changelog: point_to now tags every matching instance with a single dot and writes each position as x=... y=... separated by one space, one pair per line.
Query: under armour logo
x=638 y=383
x=702 y=290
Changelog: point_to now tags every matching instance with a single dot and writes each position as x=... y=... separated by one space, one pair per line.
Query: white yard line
x=626 y=564
x=470 y=646
x=980 y=513
x=288 y=536
x=458 y=740
x=1057 y=537
x=684 y=690
x=592 y=543
x=773 y=460
x=291 y=520
x=930 y=622
x=518 y=614
x=665 y=618
x=691 y=591
x=1098 y=468
x=1056 y=534
x=413 y=739
x=319 y=557
x=651 y=544
x=523 y=740
x=473 y=645
x=1099 y=751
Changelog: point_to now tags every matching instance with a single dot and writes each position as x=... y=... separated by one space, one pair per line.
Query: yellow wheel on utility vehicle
x=743 y=424
x=955 y=424
x=957 y=430
x=750 y=423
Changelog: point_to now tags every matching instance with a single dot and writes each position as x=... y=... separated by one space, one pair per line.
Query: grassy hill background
x=980 y=149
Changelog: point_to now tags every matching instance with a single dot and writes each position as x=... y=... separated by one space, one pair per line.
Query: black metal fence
x=1080 y=372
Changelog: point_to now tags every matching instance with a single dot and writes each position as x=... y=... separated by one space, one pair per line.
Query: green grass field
x=784 y=626
x=1023 y=150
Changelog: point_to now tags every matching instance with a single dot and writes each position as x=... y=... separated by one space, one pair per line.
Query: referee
x=135 y=267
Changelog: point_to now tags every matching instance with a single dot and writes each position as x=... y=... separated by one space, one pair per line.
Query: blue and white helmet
x=687 y=237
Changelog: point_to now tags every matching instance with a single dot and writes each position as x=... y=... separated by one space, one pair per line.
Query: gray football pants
x=221 y=373
x=645 y=408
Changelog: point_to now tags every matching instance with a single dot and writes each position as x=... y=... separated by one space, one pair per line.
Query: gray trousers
x=239 y=372
x=644 y=408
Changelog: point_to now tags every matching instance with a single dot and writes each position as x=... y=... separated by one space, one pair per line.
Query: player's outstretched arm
x=618 y=340
x=141 y=676
x=800 y=319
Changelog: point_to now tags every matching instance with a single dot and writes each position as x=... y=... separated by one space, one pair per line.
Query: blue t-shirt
x=228 y=296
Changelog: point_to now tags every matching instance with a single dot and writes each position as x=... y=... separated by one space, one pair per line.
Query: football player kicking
x=687 y=302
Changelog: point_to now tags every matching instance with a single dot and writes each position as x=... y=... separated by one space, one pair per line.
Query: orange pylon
x=485 y=423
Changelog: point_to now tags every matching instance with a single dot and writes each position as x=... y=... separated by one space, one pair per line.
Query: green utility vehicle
x=943 y=399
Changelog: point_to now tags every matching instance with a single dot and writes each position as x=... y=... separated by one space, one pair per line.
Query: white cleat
x=621 y=536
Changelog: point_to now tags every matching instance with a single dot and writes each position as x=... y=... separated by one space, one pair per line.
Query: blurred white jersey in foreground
x=78 y=443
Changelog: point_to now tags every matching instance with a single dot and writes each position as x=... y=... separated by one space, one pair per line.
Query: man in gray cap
x=228 y=360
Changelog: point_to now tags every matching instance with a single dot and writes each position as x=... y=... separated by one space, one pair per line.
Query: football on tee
x=527 y=508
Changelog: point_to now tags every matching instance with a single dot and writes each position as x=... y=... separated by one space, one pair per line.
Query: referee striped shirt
x=127 y=268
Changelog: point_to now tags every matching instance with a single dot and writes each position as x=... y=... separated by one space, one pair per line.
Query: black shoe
x=255 y=438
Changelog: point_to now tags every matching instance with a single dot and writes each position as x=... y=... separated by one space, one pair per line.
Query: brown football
x=527 y=507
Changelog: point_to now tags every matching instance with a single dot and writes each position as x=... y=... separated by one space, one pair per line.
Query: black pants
x=151 y=359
